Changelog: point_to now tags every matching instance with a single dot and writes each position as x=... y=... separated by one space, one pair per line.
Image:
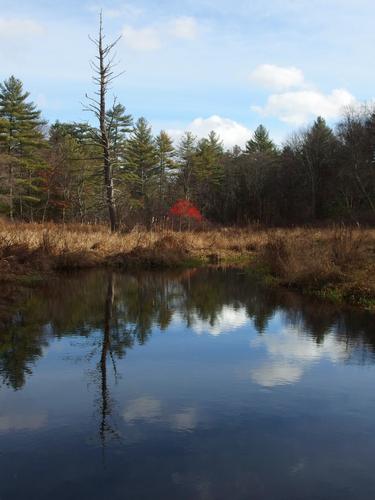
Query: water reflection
x=194 y=384
x=226 y=321
x=22 y=421
x=106 y=351
x=291 y=352
x=126 y=308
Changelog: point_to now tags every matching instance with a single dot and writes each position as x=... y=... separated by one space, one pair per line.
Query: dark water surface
x=191 y=385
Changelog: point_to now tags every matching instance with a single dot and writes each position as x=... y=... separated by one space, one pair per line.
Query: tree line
x=55 y=172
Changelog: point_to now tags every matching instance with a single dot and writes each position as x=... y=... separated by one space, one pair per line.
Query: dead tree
x=102 y=67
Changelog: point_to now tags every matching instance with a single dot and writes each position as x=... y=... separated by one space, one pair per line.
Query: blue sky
x=198 y=64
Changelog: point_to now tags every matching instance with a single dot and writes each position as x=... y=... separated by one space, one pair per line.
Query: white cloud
x=300 y=106
x=14 y=28
x=228 y=320
x=143 y=39
x=277 y=78
x=231 y=132
x=184 y=27
x=297 y=106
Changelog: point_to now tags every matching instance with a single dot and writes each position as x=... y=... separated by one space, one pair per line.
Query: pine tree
x=209 y=171
x=260 y=142
x=141 y=164
x=21 y=141
x=208 y=159
x=318 y=146
x=259 y=171
x=165 y=152
x=186 y=152
x=119 y=125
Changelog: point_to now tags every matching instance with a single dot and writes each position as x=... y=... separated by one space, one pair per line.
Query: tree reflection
x=105 y=410
x=136 y=304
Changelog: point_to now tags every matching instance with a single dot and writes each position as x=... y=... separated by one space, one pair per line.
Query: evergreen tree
x=21 y=141
x=260 y=142
x=209 y=153
x=317 y=152
x=119 y=125
x=258 y=172
x=165 y=152
x=209 y=172
x=141 y=164
x=186 y=152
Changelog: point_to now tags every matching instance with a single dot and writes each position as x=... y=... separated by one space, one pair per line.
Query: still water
x=190 y=385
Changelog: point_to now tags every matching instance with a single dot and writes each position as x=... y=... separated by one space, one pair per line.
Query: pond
x=197 y=384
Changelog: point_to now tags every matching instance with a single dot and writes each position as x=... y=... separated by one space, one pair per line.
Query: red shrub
x=185 y=208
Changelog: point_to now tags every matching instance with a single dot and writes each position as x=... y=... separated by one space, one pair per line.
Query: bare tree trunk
x=11 y=209
x=103 y=69
x=108 y=178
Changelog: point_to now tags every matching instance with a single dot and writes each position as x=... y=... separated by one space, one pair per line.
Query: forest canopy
x=53 y=172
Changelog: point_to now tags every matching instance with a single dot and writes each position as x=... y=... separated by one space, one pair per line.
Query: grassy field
x=334 y=263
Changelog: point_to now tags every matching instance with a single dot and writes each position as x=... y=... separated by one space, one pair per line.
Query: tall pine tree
x=209 y=172
x=186 y=151
x=165 y=152
x=119 y=125
x=317 y=152
x=260 y=142
x=141 y=164
x=21 y=141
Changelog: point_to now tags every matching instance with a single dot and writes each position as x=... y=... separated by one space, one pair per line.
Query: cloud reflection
x=185 y=420
x=150 y=410
x=142 y=409
x=22 y=422
x=272 y=374
x=290 y=353
x=227 y=320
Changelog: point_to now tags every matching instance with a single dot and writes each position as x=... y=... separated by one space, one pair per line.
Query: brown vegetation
x=54 y=246
x=334 y=262
x=337 y=263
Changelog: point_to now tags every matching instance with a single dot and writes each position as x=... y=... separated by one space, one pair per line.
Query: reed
x=317 y=259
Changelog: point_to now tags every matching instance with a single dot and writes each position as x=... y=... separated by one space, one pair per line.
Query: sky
x=198 y=65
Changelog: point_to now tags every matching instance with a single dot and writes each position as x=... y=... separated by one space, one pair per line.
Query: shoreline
x=334 y=266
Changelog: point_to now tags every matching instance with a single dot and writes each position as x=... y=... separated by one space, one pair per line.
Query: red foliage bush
x=185 y=208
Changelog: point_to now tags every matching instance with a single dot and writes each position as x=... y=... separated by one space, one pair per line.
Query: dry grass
x=335 y=263
x=316 y=259
x=76 y=246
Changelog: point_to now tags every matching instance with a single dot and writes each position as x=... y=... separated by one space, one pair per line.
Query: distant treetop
x=260 y=142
